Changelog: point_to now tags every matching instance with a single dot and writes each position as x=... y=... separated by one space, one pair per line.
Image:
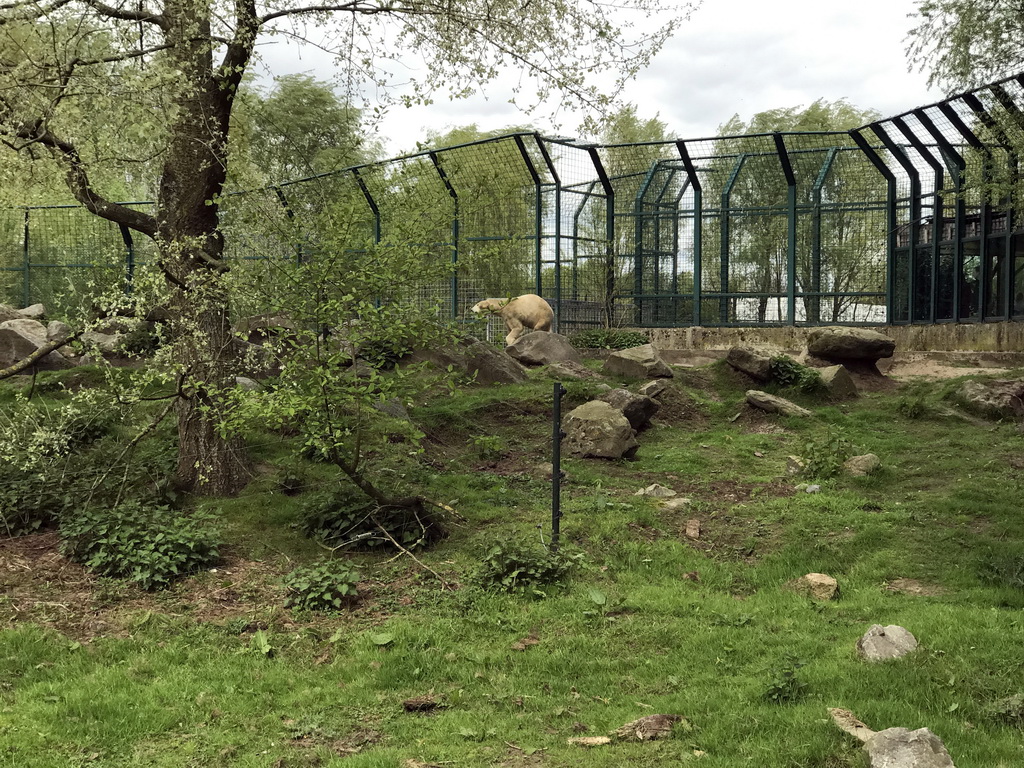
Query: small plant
x=148 y=545
x=789 y=373
x=329 y=585
x=785 y=687
x=489 y=447
x=1008 y=710
x=599 y=338
x=912 y=407
x=604 y=609
x=824 y=457
x=511 y=566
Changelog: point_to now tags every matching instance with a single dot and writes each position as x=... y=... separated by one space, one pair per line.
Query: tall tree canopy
x=98 y=88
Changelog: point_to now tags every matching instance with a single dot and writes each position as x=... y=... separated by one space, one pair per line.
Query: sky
x=732 y=57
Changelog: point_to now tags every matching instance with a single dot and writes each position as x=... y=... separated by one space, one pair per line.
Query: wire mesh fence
x=911 y=219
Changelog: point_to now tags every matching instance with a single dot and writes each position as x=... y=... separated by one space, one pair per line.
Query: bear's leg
x=515 y=331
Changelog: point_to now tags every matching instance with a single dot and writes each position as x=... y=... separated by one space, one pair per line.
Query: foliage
x=489 y=447
x=325 y=586
x=1008 y=710
x=342 y=518
x=785 y=686
x=150 y=546
x=913 y=407
x=599 y=338
x=824 y=456
x=789 y=373
x=513 y=566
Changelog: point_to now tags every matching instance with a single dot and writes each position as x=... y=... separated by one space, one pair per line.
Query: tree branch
x=128 y=15
x=35 y=357
x=352 y=7
x=37 y=13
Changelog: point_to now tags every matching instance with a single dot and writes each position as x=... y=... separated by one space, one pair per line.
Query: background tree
x=95 y=87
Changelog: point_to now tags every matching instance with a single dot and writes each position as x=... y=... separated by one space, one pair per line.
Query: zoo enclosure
x=911 y=219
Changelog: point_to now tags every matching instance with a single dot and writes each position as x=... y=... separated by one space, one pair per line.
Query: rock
x=8 y=312
x=642 y=362
x=598 y=430
x=647 y=728
x=55 y=329
x=489 y=364
x=818 y=586
x=992 y=398
x=106 y=343
x=653 y=388
x=838 y=382
x=675 y=504
x=753 y=361
x=258 y=328
x=21 y=337
x=34 y=312
x=545 y=470
x=638 y=409
x=656 y=491
x=903 y=748
x=567 y=369
x=775 y=404
x=392 y=407
x=693 y=529
x=795 y=465
x=244 y=382
x=882 y=643
x=836 y=343
x=543 y=349
x=813 y=488
x=859 y=466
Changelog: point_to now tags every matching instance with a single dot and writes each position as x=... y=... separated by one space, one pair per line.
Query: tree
x=100 y=87
x=964 y=44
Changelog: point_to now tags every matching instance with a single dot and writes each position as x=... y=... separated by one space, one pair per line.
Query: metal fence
x=911 y=219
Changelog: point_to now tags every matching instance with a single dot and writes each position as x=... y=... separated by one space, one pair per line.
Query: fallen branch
x=36 y=356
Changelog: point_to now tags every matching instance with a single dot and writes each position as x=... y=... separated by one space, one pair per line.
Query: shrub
x=789 y=373
x=512 y=566
x=342 y=518
x=148 y=545
x=324 y=586
x=599 y=338
x=824 y=457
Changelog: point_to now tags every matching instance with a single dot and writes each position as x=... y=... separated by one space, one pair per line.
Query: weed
x=912 y=407
x=1008 y=710
x=785 y=687
x=824 y=456
x=148 y=545
x=489 y=447
x=512 y=566
x=325 y=586
x=789 y=373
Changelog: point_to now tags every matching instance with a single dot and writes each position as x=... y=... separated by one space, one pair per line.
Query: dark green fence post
x=814 y=305
x=455 y=233
x=129 y=244
x=26 y=264
x=609 y=227
x=698 y=227
x=723 y=267
x=557 y=183
x=787 y=170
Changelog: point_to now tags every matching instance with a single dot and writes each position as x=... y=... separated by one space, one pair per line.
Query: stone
x=598 y=430
x=641 y=362
x=903 y=748
x=795 y=465
x=813 y=488
x=653 y=388
x=656 y=491
x=244 y=382
x=106 y=343
x=753 y=361
x=567 y=369
x=473 y=357
x=860 y=466
x=34 y=312
x=838 y=382
x=647 y=728
x=638 y=409
x=676 y=503
x=818 y=586
x=543 y=349
x=775 y=404
x=545 y=469
x=21 y=337
x=992 y=398
x=392 y=407
x=846 y=343
x=693 y=529
x=8 y=312
x=55 y=329
x=258 y=328
x=883 y=643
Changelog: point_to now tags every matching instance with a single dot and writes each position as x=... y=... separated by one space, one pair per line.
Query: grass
x=215 y=672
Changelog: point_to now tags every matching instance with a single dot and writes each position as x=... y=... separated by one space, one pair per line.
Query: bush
x=324 y=586
x=512 y=566
x=342 y=518
x=148 y=545
x=789 y=373
x=598 y=338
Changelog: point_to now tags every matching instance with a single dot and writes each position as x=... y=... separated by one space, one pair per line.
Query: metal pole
x=26 y=280
x=556 y=463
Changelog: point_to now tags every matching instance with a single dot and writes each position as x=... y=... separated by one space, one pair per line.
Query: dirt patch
x=914 y=587
x=677 y=407
x=937 y=368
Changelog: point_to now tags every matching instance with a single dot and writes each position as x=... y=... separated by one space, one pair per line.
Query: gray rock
x=992 y=398
x=19 y=339
x=813 y=488
x=903 y=748
x=55 y=329
x=543 y=349
x=30 y=329
x=775 y=404
x=641 y=362
x=116 y=324
x=258 y=328
x=818 y=586
x=489 y=364
x=106 y=343
x=838 y=382
x=249 y=385
x=836 y=343
x=392 y=407
x=859 y=466
x=567 y=369
x=8 y=312
x=676 y=503
x=656 y=491
x=598 y=430
x=753 y=361
x=653 y=388
x=34 y=312
x=638 y=409
x=882 y=643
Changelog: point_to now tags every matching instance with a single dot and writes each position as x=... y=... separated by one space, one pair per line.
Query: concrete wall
x=946 y=337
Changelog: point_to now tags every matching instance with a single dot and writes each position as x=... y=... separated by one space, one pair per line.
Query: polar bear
x=520 y=313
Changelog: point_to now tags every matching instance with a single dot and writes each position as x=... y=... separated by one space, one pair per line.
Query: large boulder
x=849 y=344
x=992 y=398
x=598 y=430
x=860 y=466
x=55 y=329
x=883 y=643
x=775 y=404
x=30 y=329
x=567 y=369
x=486 y=362
x=903 y=748
x=753 y=361
x=20 y=338
x=838 y=382
x=638 y=409
x=8 y=312
x=641 y=362
x=34 y=312
x=543 y=349
x=108 y=344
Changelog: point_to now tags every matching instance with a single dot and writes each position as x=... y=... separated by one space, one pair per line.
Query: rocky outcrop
x=638 y=409
x=775 y=404
x=643 y=362
x=992 y=398
x=21 y=337
x=859 y=349
x=487 y=363
x=598 y=430
x=753 y=361
x=543 y=349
